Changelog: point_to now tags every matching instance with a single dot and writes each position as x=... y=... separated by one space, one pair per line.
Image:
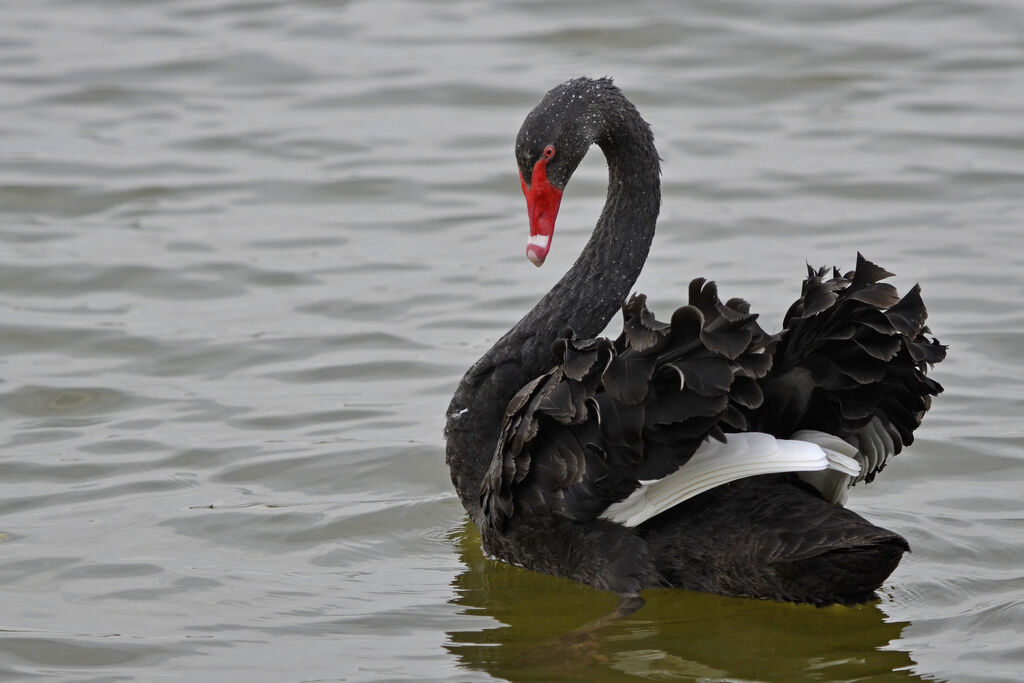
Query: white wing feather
x=743 y=455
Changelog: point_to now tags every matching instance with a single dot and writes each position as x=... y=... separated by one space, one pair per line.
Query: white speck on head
x=456 y=416
x=539 y=241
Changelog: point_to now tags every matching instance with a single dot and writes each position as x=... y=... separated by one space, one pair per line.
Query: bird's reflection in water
x=675 y=635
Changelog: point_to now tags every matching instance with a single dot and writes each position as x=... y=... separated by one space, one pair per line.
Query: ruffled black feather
x=852 y=361
x=610 y=414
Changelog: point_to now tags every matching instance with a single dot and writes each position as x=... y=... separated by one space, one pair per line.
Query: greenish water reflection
x=677 y=635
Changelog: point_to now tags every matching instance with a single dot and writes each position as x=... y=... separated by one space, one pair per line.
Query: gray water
x=247 y=249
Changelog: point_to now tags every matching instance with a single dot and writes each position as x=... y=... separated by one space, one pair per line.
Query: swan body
x=702 y=452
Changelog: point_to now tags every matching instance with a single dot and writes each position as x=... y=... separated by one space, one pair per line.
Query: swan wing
x=852 y=361
x=612 y=414
x=625 y=429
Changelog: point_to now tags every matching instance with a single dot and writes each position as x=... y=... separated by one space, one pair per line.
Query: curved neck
x=585 y=299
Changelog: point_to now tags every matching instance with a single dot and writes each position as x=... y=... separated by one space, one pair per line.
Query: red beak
x=542 y=200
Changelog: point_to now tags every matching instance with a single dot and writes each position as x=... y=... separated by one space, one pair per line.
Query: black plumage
x=554 y=424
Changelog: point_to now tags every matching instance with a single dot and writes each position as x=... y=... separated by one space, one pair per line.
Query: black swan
x=700 y=453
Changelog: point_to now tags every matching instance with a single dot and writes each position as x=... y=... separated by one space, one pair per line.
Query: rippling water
x=247 y=249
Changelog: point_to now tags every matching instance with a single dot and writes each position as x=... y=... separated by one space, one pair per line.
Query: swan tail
x=852 y=360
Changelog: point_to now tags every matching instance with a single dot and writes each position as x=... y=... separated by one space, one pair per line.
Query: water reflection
x=676 y=635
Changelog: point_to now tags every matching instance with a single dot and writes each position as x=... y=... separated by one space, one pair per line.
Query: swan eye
x=549 y=151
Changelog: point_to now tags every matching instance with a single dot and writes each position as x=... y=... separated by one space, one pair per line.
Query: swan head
x=551 y=144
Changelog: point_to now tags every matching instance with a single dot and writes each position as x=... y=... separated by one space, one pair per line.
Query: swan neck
x=584 y=300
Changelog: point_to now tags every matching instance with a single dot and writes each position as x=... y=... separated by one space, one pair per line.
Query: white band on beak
x=539 y=241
